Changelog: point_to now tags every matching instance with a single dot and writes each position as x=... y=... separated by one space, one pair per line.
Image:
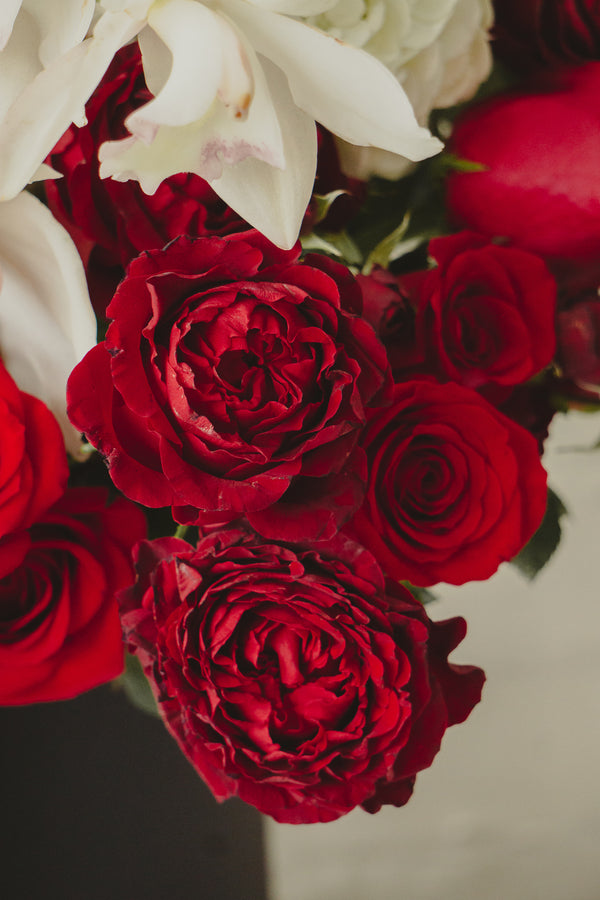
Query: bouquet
x=291 y=292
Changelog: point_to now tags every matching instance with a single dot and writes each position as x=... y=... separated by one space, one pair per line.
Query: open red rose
x=485 y=313
x=538 y=187
x=59 y=624
x=548 y=32
x=33 y=462
x=455 y=487
x=292 y=678
x=234 y=380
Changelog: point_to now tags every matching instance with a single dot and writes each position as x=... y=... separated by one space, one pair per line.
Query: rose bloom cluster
x=534 y=187
x=324 y=437
x=64 y=552
x=327 y=443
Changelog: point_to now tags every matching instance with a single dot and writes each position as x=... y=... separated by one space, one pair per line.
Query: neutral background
x=510 y=809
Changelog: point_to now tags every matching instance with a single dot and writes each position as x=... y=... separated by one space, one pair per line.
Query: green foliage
x=136 y=687
x=322 y=203
x=339 y=245
x=535 y=554
x=419 y=593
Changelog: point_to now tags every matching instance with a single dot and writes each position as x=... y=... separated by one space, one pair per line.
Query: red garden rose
x=455 y=487
x=59 y=623
x=292 y=678
x=549 y=32
x=33 y=463
x=234 y=380
x=539 y=186
x=485 y=313
x=112 y=221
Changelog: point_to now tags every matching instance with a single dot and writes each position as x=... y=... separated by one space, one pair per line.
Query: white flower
x=47 y=324
x=438 y=50
x=47 y=73
x=238 y=85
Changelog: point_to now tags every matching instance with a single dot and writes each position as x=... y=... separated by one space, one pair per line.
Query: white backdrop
x=511 y=806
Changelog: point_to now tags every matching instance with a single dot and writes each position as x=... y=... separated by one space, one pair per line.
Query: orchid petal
x=8 y=14
x=137 y=9
x=44 y=173
x=157 y=60
x=178 y=24
x=46 y=106
x=19 y=62
x=274 y=200
x=346 y=89
x=203 y=146
x=47 y=323
x=296 y=7
x=64 y=24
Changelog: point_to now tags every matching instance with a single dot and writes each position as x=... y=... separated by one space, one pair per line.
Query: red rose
x=290 y=678
x=112 y=221
x=486 y=313
x=33 y=463
x=578 y=336
x=59 y=624
x=532 y=405
x=539 y=187
x=455 y=487
x=550 y=32
x=233 y=380
x=388 y=307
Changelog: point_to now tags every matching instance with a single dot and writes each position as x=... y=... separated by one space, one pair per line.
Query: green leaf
x=384 y=251
x=449 y=162
x=535 y=554
x=136 y=687
x=321 y=204
x=339 y=245
x=419 y=593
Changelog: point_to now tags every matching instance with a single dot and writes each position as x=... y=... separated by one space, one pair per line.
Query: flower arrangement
x=281 y=342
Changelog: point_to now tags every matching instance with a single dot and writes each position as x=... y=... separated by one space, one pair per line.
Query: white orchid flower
x=48 y=71
x=47 y=324
x=439 y=50
x=238 y=85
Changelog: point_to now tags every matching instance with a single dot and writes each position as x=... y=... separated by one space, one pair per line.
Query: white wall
x=511 y=805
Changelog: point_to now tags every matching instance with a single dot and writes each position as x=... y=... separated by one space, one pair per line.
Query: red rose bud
x=294 y=679
x=59 y=625
x=390 y=309
x=455 y=487
x=234 y=379
x=547 y=32
x=485 y=313
x=33 y=463
x=539 y=187
x=532 y=405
